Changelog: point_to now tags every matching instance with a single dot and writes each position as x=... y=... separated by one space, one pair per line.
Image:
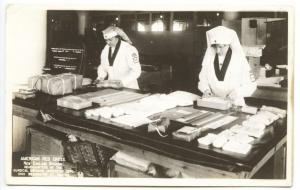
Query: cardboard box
x=117 y=170
x=41 y=143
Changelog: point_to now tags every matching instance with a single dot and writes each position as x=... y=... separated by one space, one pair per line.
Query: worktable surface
x=151 y=144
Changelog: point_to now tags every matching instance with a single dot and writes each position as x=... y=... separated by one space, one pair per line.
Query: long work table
x=187 y=157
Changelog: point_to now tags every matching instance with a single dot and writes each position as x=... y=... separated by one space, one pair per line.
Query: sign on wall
x=66 y=60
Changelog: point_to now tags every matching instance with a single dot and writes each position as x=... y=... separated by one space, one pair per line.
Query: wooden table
x=182 y=156
x=269 y=96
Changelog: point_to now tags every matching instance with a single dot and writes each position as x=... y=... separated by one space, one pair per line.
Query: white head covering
x=223 y=35
x=219 y=35
x=113 y=31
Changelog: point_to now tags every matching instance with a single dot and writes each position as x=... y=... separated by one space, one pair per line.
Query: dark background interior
x=170 y=60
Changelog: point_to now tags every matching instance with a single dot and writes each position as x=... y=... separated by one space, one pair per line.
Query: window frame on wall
x=158 y=26
x=141 y=27
x=182 y=25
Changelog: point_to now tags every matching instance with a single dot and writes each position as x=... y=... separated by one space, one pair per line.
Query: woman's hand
x=116 y=84
x=95 y=82
x=236 y=99
x=233 y=95
x=206 y=93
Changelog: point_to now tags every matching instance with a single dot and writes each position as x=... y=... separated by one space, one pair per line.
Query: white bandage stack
x=239 y=138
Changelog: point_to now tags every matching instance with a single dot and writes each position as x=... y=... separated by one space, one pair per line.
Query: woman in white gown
x=119 y=59
x=225 y=70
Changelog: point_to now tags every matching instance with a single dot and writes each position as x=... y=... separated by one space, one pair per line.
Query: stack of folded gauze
x=255 y=125
x=263 y=117
x=131 y=121
x=186 y=133
x=220 y=122
x=118 y=116
x=25 y=93
x=238 y=143
x=119 y=97
x=207 y=140
x=133 y=162
x=109 y=84
x=86 y=81
x=73 y=102
x=238 y=138
x=222 y=138
x=241 y=138
x=280 y=112
x=249 y=109
x=227 y=140
x=104 y=112
x=237 y=147
x=253 y=131
x=183 y=98
x=214 y=102
x=149 y=105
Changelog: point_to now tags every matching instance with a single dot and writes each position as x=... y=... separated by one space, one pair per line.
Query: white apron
x=238 y=76
x=126 y=66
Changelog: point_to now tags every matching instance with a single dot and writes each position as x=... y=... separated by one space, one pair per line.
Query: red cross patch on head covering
x=220 y=35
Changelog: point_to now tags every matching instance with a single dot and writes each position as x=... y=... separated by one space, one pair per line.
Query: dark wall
x=182 y=52
x=158 y=43
x=176 y=57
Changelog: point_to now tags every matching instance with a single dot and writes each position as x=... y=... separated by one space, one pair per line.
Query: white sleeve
x=203 y=83
x=134 y=66
x=248 y=84
x=102 y=71
x=203 y=80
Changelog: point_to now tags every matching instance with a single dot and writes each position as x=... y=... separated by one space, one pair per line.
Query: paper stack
x=249 y=109
x=207 y=140
x=183 y=98
x=132 y=121
x=237 y=147
x=131 y=161
x=227 y=140
x=25 y=93
x=117 y=98
x=186 y=133
x=214 y=102
x=280 y=112
x=252 y=131
x=222 y=138
x=208 y=118
x=263 y=117
x=73 y=102
x=105 y=112
x=193 y=116
x=220 y=122
x=109 y=83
